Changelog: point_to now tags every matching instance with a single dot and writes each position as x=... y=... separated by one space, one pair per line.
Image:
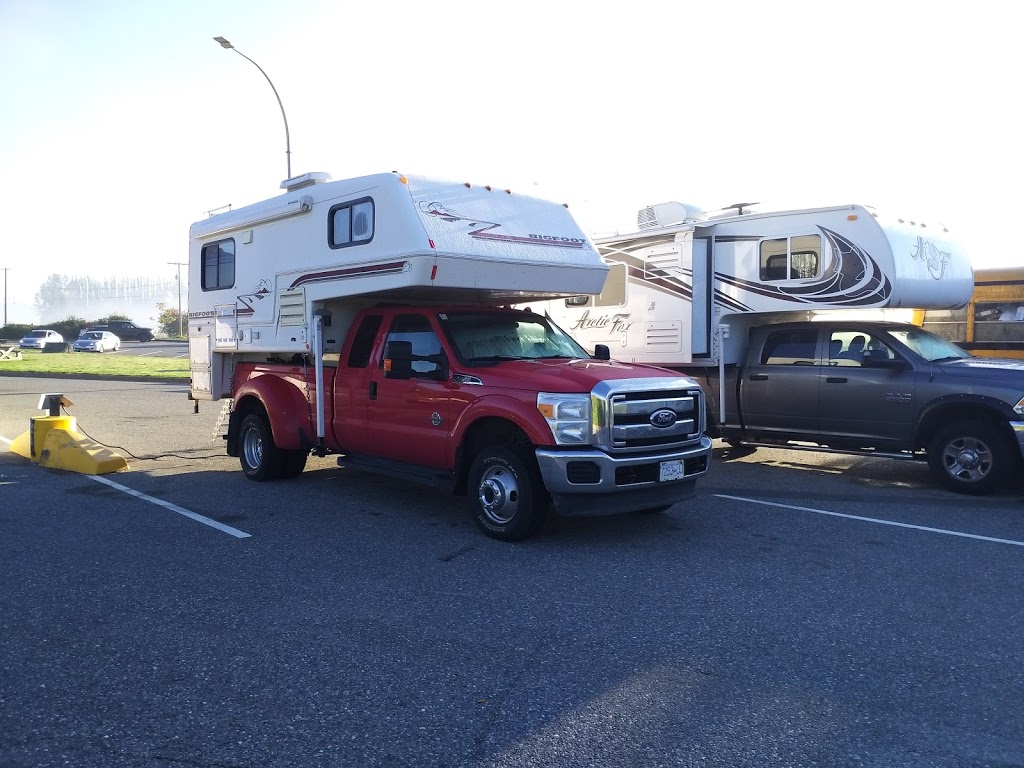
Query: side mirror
x=441 y=361
x=601 y=352
x=398 y=360
x=879 y=358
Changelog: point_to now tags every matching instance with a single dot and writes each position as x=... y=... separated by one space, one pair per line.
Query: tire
x=970 y=457
x=292 y=463
x=509 y=500
x=260 y=458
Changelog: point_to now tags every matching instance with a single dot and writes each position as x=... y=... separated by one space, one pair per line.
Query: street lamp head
x=223 y=43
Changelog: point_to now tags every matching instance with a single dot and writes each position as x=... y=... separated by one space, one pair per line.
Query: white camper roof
x=447 y=236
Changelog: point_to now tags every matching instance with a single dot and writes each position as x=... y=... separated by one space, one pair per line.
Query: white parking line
x=5 y=440
x=875 y=520
x=173 y=507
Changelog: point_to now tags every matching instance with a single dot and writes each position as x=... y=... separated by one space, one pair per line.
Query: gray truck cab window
x=788 y=347
x=846 y=348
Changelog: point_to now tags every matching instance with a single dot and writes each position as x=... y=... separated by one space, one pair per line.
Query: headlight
x=1019 y=407
x=568 y=416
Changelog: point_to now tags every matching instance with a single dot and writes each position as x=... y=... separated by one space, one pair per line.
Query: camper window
x=790 y=258
x=613 y=294
x=218 y=265
x=350 y=223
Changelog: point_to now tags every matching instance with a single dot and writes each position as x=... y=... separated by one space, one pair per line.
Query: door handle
x=373 y=390
x=759 y=377
x=835 y=380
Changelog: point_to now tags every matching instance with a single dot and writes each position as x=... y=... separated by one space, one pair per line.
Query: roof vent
x=305 y=180
x=667 y=215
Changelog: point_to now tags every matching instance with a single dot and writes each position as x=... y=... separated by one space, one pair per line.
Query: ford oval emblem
x=665 y=417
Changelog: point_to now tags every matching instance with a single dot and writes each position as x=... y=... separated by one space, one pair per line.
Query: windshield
x=93 y=335
x=928 y=345
x=37 y=335
x=480 y=336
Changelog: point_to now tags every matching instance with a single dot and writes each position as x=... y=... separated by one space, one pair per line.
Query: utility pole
x=179 y=265
x=5 y=296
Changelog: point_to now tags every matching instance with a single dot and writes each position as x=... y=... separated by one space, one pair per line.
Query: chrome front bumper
x=619 y=483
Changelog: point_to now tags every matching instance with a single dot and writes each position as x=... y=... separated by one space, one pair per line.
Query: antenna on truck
x=738 y=207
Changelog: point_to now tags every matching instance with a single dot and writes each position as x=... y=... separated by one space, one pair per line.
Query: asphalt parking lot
x=802 y=610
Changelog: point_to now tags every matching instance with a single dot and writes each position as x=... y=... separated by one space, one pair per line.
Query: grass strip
x=96 y=364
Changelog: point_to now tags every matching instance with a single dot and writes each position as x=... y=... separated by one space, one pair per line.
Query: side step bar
x=426 y=475
x=869 y=452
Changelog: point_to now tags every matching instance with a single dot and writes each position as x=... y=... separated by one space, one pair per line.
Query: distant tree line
x=65 y=295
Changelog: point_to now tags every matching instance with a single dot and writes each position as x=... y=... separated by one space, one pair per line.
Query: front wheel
x=260 y=458
x=508 y=498
x=970 y=457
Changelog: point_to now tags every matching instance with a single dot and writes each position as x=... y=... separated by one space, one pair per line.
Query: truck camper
x=784 y=318
x=682 y=285
x=372 y=318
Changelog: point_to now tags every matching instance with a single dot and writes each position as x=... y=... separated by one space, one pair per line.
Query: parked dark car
x=125 y=330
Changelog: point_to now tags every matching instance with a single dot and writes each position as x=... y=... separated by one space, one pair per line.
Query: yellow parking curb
x=52 y=442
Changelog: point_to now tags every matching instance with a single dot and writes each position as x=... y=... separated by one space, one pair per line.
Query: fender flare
x=931 y=415
x=285 y=406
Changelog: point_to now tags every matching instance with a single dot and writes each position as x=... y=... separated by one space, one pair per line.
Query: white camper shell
x=263 y=278
x=683 y=289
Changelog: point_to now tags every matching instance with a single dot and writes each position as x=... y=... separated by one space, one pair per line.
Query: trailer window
x=350 y=224
x=218 y=265
x=612 y=295
x=790 y=258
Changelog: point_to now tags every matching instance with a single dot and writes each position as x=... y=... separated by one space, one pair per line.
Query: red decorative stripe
x=349 y=272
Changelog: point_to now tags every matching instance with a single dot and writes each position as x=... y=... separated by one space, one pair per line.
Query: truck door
x=779 y=389
x=353 y=383
x=408 y=419
x=863 y=399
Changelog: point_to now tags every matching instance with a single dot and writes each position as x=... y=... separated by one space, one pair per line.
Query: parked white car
x=40 y=338
x=97 y=341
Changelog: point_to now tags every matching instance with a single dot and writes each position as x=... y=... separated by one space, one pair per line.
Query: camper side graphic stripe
x=341 y=274
x=852 y=279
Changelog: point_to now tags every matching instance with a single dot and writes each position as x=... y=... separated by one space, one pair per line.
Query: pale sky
x=123 y=122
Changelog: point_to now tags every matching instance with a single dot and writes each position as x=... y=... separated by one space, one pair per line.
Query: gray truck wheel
x=970 y=457
x=506 y=493
x=260 y=458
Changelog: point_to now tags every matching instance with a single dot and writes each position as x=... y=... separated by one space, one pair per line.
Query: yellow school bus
x=992 y=323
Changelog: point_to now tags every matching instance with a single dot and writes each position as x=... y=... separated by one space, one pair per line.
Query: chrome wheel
x=252 y=447
x=499 y=494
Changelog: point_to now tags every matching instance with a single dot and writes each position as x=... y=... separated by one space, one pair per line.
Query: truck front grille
x=646 y=419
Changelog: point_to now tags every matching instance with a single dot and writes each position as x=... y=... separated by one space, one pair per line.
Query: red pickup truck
x=496 y=404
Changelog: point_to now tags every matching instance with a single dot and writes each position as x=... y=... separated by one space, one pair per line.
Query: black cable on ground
x=142 y=458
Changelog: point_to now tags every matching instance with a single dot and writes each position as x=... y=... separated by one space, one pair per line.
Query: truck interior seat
x=854 y=350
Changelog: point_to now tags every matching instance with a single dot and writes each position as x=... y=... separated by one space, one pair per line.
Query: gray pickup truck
x=876 y=388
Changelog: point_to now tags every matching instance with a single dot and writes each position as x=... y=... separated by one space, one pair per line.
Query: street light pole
x=5 y=297
x=179 y=265
x=287 y=139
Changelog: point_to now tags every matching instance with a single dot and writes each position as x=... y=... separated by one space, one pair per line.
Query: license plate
x=671 y=470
